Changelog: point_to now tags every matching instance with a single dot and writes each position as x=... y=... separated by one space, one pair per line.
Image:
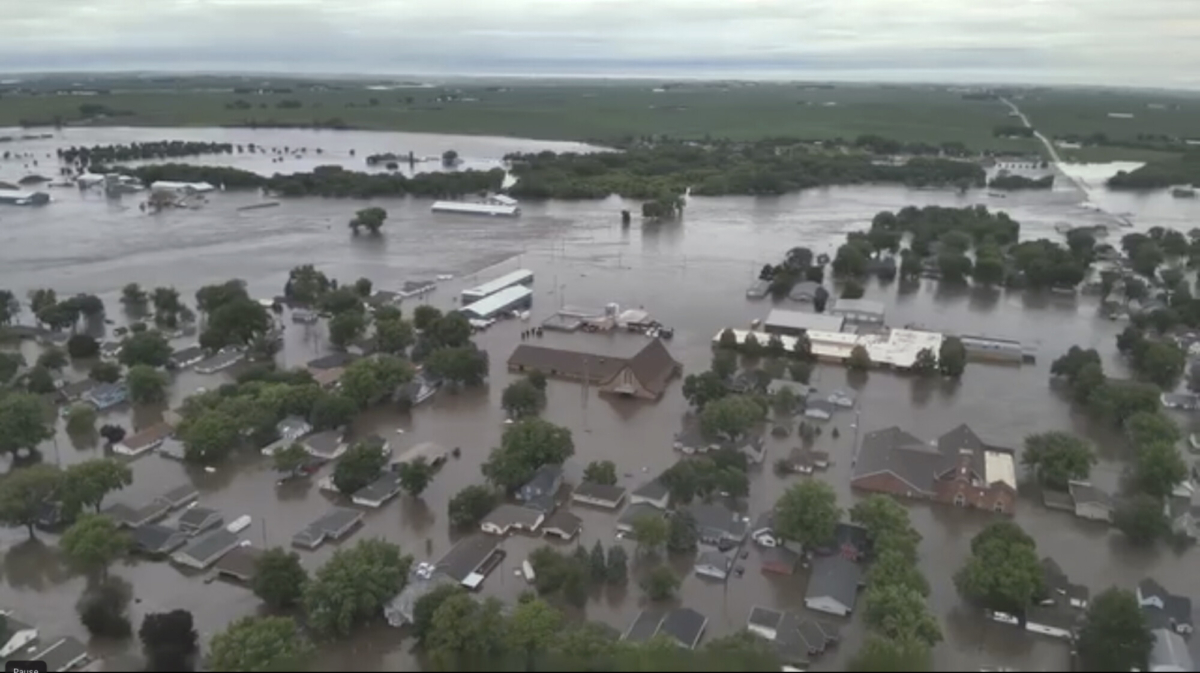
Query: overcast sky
x=1118 y=42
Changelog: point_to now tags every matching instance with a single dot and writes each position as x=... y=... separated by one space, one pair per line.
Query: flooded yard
x=690 y=275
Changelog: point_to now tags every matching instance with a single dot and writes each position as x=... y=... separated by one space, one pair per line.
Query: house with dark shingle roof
x=718 y=525
x=959 y=469
x=833 y=585
x=645 y=375
x=1164 y=609
x=652 y=493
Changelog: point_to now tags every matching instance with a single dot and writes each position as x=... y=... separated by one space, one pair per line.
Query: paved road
x=1046 y=142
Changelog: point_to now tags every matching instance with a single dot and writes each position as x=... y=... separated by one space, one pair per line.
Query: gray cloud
x=1151 y=42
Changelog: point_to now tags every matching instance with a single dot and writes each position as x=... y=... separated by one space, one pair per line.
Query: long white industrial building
x=896 y=348
x=518 y=277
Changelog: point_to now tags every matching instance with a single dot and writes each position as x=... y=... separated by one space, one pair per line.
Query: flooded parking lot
x=690 y=275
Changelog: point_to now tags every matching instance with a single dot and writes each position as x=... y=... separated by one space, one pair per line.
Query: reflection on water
x=690 y=275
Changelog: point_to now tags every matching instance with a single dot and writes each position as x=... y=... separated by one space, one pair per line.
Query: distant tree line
x=165 y=149
x=1020 y=182
x=326 y=181
x=765 y=168
x=1184 y=170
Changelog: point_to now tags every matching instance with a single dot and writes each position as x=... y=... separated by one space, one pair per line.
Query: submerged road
x=1045 y=141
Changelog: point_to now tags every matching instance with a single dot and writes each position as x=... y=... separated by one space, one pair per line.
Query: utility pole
x=586 y=383
x=263 y=521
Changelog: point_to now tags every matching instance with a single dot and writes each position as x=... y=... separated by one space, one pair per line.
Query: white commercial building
x=896 y=348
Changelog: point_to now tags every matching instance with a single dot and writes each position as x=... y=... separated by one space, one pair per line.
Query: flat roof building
x=866 y=311
x=491 y=287
x=792 y=323
x=508 y=299
x=895 y=348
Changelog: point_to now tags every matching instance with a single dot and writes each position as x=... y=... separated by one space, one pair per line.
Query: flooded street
x=690 y=275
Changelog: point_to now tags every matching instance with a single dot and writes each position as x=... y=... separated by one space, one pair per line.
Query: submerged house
x=107 y=395
x=644 y=376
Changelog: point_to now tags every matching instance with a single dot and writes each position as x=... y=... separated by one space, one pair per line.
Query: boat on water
x=527 y=571
x=997 y=195
x=1184 y=192
x=495 y=205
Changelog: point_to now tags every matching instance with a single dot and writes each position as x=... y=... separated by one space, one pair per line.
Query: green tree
x=146 y=384
x=731 y=417
x=210 y=298
x=885 y=655
x=279 y=578
x=468 y=507
x=462 y=365
x=259 y=645
x=532 y=629
x=393 y=336
x=24 y=492
x=40 y=381
x=10 y=364
x=952 y=357
x=449 y=331
x=894 y=568
x=926 y=363
x=370 y=218
x=1142 y=520
x=236 y=323
x=341 y=300
x=899 y=612
x=93 y=542
x=681 y=532
x=1161 y=363
x=524 y=447
x=601 y=472
x=1152 y=428
x=1117 y=401
x=1056 y=458
x=363 y=287
x=82 y=347
x=467 y=635
x=1159 y=469
x=1003 y=572
x=521 y=398
x=105 y=372
x=10 y=307
x=661 y=583
x=86 y=484
x=290 y=458
x=81 y=420
x=145 y=348
x=426 y=607
x=617 y=565
x=24 y=423
x=807 y=513
x=701 y=389
x=209 y=437
x=354 y=585
x=852 y=289
x=424 y=316
x=362 y=464
x=651 y=531
x=728 y=340
x=345 y=327
x=887 y=524
x=724 y=364
x=133 y=296
x=415 y=476
x=955 y=266
x=305 y=285
x=53 y=358
x=332 y=410
x=859 y=360
x=1115 y=635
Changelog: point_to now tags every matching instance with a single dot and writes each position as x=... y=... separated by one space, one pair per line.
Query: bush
x=103 y=610
x=82 y=346
x=81 y=419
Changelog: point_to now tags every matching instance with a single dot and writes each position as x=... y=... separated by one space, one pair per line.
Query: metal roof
x=803 y=320
x=496 y=284
x=491 y=304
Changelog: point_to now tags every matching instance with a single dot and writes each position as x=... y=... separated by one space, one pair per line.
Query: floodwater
x=690 y=275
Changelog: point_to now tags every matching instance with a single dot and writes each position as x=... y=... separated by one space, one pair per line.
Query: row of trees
x=161 y=149
x=1183 y=170
x=326 y=181
x=26 y=493
x=766 y=168
x=1135 y=408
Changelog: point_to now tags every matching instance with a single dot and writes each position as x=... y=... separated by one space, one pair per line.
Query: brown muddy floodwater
x=690 y=275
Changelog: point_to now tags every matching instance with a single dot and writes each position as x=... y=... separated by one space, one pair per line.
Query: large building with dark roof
x=645 y=375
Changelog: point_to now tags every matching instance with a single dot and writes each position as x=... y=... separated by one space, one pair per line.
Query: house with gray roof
x=335 y=524
x=634 y=512
x=327 y=445
x=797 y=640
x=598 y=495
x=1164 y=609
x=1170 y=652
x=205 y=550
x=685 y=626
x=240 y=564
x=132 y=517
x=185 y=357
x=153 y=538
x=15 y=635
x=197 y=520
x=652 y=493
x=1090 y=502
x=1060 y=589
x=508 y=516
x=818 y=408
x=563 y=525
x=833 y=585
x=179 y=496
x=546 y=481
x=643 y=627
x=714 y=564
x=468 y=556
x=293 y=428
x=718 y=525
x=63 y=654
x=377 y=493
